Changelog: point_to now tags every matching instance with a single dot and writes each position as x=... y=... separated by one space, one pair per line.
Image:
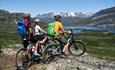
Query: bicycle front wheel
x=77 y=48
x=22 y=59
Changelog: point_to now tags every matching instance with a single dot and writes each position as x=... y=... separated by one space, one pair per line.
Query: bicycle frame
x=56 y=52
x=61 y=44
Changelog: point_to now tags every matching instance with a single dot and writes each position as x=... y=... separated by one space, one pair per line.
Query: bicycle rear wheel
x=48 y=53
x=77 y=48
x=22 y=60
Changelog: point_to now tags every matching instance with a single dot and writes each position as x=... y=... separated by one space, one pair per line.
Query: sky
x=35 y=7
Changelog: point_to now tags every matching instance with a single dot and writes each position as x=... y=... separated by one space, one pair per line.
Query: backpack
x=21 y=29
x=50 y=29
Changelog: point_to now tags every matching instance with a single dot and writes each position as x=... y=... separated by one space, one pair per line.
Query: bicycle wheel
x=51 y=41
x=22 y=59
x=48 y=53
x=77 y=48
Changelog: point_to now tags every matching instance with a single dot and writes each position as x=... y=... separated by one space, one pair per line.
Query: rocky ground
x=84 y=62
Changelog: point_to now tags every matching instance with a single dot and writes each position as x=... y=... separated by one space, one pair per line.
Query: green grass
x=100 y=44
x=9 y=38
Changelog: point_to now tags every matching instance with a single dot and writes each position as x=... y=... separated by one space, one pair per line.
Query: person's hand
x=30 y=30
x=67 y=33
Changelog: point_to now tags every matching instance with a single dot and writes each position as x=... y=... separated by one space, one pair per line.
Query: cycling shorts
x=37 y=38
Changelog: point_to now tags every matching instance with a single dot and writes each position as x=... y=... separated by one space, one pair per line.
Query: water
x=79 y=28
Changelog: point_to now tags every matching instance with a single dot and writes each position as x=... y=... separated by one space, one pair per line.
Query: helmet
x=37 y=20
x=26 y=15
x=57 y=17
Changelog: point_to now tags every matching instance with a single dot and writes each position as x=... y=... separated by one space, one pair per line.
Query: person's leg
x=36 y=41
x=63 y=55
x=65 y=48
x=25 y=43
x=36 y=48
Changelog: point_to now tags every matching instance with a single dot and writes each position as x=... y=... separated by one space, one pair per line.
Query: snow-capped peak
x=57 y=13
x=70 y=14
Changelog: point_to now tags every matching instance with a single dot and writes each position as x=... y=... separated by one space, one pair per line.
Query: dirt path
x=85 y=62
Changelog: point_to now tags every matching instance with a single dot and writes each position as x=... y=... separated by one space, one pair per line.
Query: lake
x=79 y=28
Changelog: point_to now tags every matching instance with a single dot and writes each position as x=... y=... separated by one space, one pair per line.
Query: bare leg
x=63 y=55
x=65 y=47
x=36 y=48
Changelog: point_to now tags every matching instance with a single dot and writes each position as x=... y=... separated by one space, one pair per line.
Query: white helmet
x=37 y=20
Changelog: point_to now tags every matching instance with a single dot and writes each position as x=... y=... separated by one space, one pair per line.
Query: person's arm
x=41 y=29
x=30 y=26
x=62 y=28
x=64 y=33
x=30 y=30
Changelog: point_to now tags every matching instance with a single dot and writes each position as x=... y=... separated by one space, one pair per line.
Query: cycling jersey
x=58 y=26
x=37 y=30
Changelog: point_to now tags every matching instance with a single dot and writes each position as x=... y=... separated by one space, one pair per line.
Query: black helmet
x=26 y=15
x=57 y=17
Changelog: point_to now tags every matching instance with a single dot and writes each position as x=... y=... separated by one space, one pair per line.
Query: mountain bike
x=25 y=57
x=76 y=47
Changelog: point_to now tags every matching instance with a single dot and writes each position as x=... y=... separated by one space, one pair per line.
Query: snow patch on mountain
x=70 y=14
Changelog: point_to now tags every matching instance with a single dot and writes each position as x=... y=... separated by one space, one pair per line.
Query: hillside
x=99 y=55
x=8 y=20
x=105 y=17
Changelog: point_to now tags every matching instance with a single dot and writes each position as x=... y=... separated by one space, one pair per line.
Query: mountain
x=8 y=20
x=105 y=17
x=71 y=14
x=68 y=19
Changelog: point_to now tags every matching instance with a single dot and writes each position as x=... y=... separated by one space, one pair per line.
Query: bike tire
x=48 y=53
x=77 y=48
x=20 y=58
x=52 y=41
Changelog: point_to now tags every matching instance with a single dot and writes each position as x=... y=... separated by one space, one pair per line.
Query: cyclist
x=26 y=19
x=38 y=35
x=59 y=29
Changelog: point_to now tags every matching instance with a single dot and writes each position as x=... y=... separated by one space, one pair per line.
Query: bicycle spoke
x=77 y=48
x=22 y=59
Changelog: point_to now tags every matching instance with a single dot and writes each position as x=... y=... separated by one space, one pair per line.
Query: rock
x=84 y=62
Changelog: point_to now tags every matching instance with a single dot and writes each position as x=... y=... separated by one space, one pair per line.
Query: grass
x=100 y=44
x=9 y=38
